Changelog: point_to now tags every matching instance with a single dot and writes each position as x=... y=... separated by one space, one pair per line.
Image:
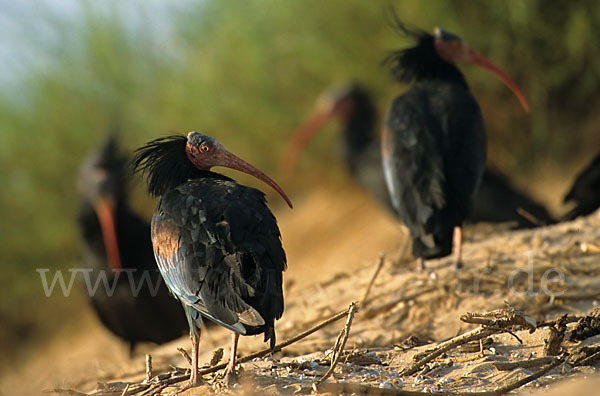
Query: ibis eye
x=205 y=148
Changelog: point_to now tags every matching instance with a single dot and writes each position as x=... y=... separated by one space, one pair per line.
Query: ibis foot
x=231 y=378
x=189 y=385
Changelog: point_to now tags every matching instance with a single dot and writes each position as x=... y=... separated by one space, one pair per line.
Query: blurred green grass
x=247 y=73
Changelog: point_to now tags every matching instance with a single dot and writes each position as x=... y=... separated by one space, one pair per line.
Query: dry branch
x=148 y=367
x=216 y=357
x=589 y=360
x=553 y=345
x=340 y=342
x=478 y=333
x=584 y=355
x=503 y=317
x=364 y=301
x=185 y=355
x=564 y=319
x=505 y=366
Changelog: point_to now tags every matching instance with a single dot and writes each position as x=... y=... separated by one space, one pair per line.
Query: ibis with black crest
x=216 y=243
x=433 y=140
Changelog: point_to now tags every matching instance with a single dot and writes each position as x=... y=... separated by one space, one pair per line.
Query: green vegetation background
x=247 y=73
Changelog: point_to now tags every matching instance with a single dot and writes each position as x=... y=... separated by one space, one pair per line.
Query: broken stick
x=340 y=343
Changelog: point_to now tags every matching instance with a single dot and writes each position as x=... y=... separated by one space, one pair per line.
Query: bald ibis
x=496 y=200
x=117 y=250
x=217 y=244
x=433 y=141
x=585 y=191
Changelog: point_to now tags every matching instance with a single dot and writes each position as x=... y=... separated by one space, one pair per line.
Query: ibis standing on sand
x=117 y=247
x=496 y=200
x=216 y=242
x=433 y=141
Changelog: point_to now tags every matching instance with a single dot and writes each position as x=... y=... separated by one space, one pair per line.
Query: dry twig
x=589 y=360
x=216 y=357
x=478 y=333
x=564 y=319
x=185 y=355
x=364 y=301
x=552 y=346
x=503 y=317
x=148 y=367
x=340 y=343
x=584 y=355
x=505 y=366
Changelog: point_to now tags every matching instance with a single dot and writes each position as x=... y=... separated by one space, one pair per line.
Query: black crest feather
x=164 y=163
x=420 y=62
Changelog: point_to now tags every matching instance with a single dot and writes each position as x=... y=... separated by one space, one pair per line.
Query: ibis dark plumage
x=117 y=247
x=433 y=141
x=496 y=200
x=585 y=191
x=216 y=243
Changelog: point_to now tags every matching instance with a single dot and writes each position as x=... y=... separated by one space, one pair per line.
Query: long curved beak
x=105 y=209
x=476 y=58
x=302 y=136
x=232 y=161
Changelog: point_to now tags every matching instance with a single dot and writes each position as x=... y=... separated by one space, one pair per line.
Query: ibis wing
x=465 y=155
x=222 y=252
x=173 y=261
x=412 y=163
x=434 y=151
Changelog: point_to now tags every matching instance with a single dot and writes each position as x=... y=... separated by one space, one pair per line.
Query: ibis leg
x=420 y=264
x=457 y=242
x=231 y=375
x=195 y=337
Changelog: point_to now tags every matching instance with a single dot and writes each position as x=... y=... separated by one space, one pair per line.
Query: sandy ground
x=333 y=248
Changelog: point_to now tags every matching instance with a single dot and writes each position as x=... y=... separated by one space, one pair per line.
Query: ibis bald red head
x=205 y=152
x=337 y=102
x=451 y=48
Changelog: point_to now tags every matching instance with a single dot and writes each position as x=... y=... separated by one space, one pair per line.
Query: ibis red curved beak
x=324 y=110
x=105 y=210
x=476 y=58
x=232 y=161
x=205 y=152
x=452 y=48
